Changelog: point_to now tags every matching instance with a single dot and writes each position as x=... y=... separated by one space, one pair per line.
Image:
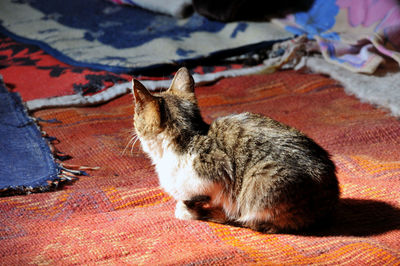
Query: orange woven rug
x=119 y=214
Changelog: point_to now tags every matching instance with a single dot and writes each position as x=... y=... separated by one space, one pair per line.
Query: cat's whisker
x=133 y=145
x=133 y=140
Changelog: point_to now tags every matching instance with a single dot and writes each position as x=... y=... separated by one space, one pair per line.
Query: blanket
x=116 y=38
x=356 y=35
x=26 y=161
x=47 y=82
x=120 y=215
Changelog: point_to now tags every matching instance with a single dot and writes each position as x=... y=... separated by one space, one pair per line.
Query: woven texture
x=35 y=74
x=120 y=215
x=47 y=82
x=355 y=35
x=117 y=38
x=26 y=160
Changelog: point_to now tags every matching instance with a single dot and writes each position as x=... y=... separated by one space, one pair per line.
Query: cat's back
x=248 y=139
x=249 y=122
x=252 y=131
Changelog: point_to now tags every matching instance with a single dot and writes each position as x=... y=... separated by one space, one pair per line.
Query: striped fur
x=244 y=169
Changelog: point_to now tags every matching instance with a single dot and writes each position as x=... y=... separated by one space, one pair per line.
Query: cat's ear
x=147 y=117
x=140 y=93
x=182 y=82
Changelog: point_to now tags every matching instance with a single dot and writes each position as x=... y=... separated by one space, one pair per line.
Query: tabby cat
x=242 y=169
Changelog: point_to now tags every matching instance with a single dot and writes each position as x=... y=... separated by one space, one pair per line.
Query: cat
x=242 y=169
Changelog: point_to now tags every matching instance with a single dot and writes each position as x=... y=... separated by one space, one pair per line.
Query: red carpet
x=119 y=215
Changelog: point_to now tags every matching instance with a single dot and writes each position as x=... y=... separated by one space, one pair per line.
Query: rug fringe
x=79 y=167
x=66 y=172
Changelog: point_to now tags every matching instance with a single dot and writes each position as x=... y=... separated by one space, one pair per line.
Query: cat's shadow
x=359 y=217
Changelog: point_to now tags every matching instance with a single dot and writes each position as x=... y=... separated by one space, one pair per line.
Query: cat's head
x=174 y=113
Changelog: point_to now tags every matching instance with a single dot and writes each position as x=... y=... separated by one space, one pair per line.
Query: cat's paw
x=182 y=212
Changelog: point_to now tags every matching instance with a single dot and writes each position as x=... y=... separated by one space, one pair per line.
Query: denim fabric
x=26 y=160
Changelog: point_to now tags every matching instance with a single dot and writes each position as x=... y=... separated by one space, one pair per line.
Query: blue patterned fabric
x=102 y=35
x=354 y=34
x=317 y=21
x=26 y=161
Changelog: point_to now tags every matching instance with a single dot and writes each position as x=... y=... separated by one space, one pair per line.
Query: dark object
x=254 y=10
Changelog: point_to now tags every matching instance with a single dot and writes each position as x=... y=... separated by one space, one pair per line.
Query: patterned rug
x=119 y=214
x=47 y=82
x=35 y=74
x=106 y=36
x=28 y=160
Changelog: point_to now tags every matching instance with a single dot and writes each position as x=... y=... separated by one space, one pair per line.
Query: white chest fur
x=175 y=171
